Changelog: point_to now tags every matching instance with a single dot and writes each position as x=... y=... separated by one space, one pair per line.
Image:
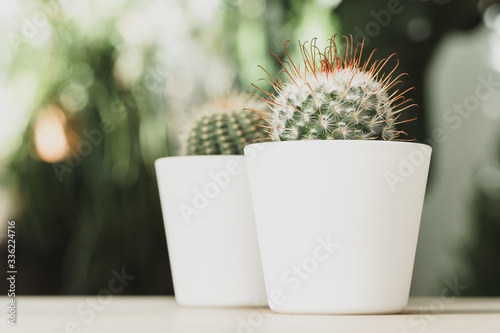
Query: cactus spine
x=224 y=127
x=334 y=98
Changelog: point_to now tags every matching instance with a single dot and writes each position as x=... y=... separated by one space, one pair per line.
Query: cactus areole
x=332 y=97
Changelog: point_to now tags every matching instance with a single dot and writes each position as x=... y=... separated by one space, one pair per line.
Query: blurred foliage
x=412 y=30
x=98 y=208
x=255 y=28
x=484 y=252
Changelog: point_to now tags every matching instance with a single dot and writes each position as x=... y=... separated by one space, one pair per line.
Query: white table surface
x=161 y=314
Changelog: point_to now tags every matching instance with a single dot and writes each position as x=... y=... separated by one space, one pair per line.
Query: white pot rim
x=339 y=143
x=195 y=157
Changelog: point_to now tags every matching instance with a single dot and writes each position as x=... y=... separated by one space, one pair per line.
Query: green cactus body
x=225 y=128
x=333 y=99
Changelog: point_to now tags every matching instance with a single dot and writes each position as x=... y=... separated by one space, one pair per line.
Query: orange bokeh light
x=51 y=141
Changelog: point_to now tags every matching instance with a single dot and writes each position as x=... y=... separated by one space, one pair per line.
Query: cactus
x=334 y=97
x=224 y=127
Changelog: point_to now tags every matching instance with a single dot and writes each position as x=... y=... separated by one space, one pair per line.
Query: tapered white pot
x=210 y=230
x=338 y=222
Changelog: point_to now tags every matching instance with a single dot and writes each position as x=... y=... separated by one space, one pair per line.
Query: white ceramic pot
x=210 y=230
x=338 y=222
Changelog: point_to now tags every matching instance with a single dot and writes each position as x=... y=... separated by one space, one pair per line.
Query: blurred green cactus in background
x=225 y=126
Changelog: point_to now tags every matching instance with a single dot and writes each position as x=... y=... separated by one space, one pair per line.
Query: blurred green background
x=91 y=93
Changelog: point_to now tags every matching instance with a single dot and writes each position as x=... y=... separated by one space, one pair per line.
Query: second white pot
x=337 y=222
x=210 y=230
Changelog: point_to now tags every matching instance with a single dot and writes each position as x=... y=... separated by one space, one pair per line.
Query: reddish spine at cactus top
x=328 y=97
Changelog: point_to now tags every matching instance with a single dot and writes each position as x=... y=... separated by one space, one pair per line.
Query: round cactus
x=225 y=126
x=334 y=97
